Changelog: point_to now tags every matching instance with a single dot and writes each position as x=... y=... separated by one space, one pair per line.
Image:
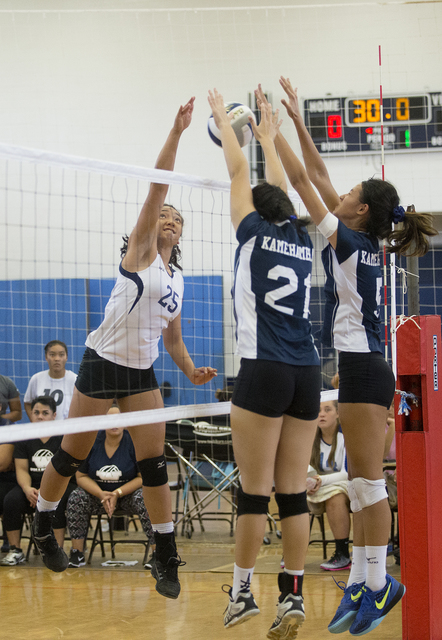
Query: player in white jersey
x=366 y=383
x=145 y=304
x=275 y=400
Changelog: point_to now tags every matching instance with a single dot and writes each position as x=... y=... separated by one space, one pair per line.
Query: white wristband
x=328 y=225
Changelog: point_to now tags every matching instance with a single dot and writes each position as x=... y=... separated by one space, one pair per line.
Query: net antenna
x=392 y=255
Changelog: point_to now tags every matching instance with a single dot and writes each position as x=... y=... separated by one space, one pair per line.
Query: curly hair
x=411 y=237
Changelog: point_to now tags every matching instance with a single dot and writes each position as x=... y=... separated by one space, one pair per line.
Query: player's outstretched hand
x=292 y=105
x=261 y=97
x=184 y=116
x=269 y=124
x=216 y=102
x=201 y=375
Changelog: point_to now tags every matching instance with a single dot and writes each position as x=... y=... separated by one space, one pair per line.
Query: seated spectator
x=9 y=397
x=31 y=458
x=107 y=480
x=7 y=482
x=327 y=486
x=57 y=382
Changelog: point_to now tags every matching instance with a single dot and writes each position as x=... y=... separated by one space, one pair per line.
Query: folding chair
x=207 y=456
x=99 y=540
x=208 y=444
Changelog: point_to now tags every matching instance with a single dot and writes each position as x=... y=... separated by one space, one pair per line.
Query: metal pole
x=413 y=286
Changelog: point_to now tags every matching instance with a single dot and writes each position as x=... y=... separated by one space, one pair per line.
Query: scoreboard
x=411 y=122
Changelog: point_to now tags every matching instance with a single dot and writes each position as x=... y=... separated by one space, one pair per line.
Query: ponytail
x=411 y=237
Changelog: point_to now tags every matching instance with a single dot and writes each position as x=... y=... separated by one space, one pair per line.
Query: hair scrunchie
x=293 y=218
x=398 y=214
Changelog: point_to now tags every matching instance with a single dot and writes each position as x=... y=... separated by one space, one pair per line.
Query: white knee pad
x=354 y=502
x=369 y=492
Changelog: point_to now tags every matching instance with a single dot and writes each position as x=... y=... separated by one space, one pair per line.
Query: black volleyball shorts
x=100 y=378
x=365 y=377
x=272 y=389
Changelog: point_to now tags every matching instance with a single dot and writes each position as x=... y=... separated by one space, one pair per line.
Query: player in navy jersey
x=144 y=304
x=352 y=325
x=275 y=400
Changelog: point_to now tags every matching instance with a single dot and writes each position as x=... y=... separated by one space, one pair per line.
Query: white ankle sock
x=294 y=572
x=164 y=527
x=376 y=567
x=241 y=579
x=358 y=571
x=46 y=505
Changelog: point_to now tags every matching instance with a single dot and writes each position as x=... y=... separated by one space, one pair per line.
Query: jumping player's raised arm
x=315 y=166
x=142 y=245
x=298 y=177
x=241 y=199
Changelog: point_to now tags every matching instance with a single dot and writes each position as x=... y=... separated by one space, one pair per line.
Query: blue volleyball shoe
x=375 y=605
x=348 y=608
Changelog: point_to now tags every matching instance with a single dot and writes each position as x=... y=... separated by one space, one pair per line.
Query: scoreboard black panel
x=353 y=125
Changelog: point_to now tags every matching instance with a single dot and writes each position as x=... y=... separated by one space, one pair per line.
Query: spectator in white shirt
x=57 y=381
x=327 y=483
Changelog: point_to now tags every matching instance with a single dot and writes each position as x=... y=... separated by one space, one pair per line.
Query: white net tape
x=17 y=432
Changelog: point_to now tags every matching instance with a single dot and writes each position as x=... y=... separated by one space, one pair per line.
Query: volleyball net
x=64 y=221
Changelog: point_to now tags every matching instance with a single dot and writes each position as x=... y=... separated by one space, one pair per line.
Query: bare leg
x=363 y=426
x=149 y=443
x=78 y=545
x=53 y=485
x=255 y=442
x=292 y=460
x=338 y=515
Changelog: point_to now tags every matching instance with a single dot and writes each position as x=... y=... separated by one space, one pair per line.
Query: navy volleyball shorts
x=100 y=378
x=272 y=389
x=365 y=377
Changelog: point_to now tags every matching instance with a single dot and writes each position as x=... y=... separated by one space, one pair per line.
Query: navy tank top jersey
x=271 y=292
x=353 y=292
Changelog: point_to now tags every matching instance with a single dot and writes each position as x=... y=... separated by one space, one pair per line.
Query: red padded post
x=419 y=476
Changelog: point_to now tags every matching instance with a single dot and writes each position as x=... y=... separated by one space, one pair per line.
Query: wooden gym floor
x=120 y=603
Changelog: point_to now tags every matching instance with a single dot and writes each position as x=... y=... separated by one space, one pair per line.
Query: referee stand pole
x=419 y=458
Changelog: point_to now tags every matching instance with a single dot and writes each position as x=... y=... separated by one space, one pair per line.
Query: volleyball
x=239 y=114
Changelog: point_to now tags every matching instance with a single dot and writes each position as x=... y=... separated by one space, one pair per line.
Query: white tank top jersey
x=141 y=305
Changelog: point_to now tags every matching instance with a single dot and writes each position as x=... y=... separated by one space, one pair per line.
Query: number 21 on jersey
x=272 y=297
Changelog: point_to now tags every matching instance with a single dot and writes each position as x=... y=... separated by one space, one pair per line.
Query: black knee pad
x=248 y=503
x=291 y=504
x=65 y=464
x=153 y=471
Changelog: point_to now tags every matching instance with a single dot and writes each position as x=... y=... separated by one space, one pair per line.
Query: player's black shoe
x=53 y=556
x=166 y=576
x=165 y=562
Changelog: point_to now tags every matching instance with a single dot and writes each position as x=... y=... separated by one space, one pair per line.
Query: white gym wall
x=103 y=78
